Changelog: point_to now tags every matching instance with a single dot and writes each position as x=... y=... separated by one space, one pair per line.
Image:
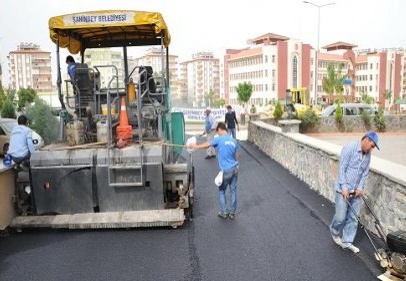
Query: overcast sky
x=214 y=25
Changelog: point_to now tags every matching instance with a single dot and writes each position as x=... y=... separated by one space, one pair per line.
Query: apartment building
x=379 y=74
x=156 y=58
x=30 y=67
x=275 y=64
x=101 y=60
x=200 y=79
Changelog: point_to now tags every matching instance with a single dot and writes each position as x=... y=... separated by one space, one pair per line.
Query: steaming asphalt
x=280 y=233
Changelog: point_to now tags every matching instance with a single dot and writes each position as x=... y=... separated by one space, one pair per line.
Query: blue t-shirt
x=226 y=147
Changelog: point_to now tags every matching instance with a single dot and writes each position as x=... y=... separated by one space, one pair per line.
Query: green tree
x=244 y=91
x=25 y=96
x=388 y=97
x=8 y=110
x=219 y=102
x=2 y=95
x=43 y=121
x=334 y=82
x=209 y=98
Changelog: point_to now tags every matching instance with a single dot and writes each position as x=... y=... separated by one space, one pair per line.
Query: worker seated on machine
x=21 y=144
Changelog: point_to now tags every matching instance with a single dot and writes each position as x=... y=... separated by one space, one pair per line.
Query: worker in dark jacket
x=231 y=122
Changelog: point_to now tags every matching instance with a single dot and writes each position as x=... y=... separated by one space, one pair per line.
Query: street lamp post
x=318 y=45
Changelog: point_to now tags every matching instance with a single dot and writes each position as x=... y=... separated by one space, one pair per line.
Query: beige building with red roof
x=274 y=64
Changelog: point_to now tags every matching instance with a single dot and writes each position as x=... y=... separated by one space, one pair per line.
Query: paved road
x=280 y=233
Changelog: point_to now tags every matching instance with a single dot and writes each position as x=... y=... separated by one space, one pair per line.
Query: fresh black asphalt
x=280 y=233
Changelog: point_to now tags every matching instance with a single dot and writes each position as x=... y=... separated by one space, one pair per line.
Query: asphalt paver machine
x=121 y=164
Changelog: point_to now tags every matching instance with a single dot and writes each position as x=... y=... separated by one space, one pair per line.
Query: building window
x=294 y=72
x=273 y=58
x=266 y=59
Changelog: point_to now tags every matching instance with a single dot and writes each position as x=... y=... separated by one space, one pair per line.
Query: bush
x=309 y=120
x=339 y=114
x=278 y=112
x=8 y=110
x=366 y=118
x=43 y=121
x=379 y=120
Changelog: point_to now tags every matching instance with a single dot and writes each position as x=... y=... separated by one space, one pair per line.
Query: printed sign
x=198 y=114
x=104 y=19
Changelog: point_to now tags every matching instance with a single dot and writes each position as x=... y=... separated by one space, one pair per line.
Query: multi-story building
x=273 y=64
x=99 y=58
x=200 y=78
x=379 y=74
x=276 y=64
x=30 y=67
x=155 y=58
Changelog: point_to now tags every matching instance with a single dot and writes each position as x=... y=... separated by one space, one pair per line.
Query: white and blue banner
x=198 y=114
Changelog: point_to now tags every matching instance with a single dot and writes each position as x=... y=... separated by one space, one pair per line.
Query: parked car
x=349 y=109
x=6 y=127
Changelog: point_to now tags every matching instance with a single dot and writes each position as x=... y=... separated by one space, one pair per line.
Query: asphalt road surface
x=280 y=233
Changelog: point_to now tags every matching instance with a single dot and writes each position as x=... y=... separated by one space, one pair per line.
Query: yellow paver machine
x=121 y=163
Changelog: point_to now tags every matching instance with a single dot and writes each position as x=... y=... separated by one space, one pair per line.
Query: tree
x=219 y=102
x=209 y=98
x=2 y=95
x=25 y=96
x=388 y=97
x=244 y=91
x=334 y=82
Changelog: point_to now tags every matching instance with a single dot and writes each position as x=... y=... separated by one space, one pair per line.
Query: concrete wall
x=316 y=163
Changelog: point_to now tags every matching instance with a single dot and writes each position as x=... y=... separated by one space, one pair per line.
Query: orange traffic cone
x=124 y=131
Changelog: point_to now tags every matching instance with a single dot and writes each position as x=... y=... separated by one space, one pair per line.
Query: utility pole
x=316 y=63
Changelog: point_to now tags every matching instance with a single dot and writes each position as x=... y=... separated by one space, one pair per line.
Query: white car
x=6 y=127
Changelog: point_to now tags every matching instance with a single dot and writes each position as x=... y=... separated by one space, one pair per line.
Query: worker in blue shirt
x=227 y=154
x=355 y=159
x=71 y=67
x=72 y=74
x=21 y=145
